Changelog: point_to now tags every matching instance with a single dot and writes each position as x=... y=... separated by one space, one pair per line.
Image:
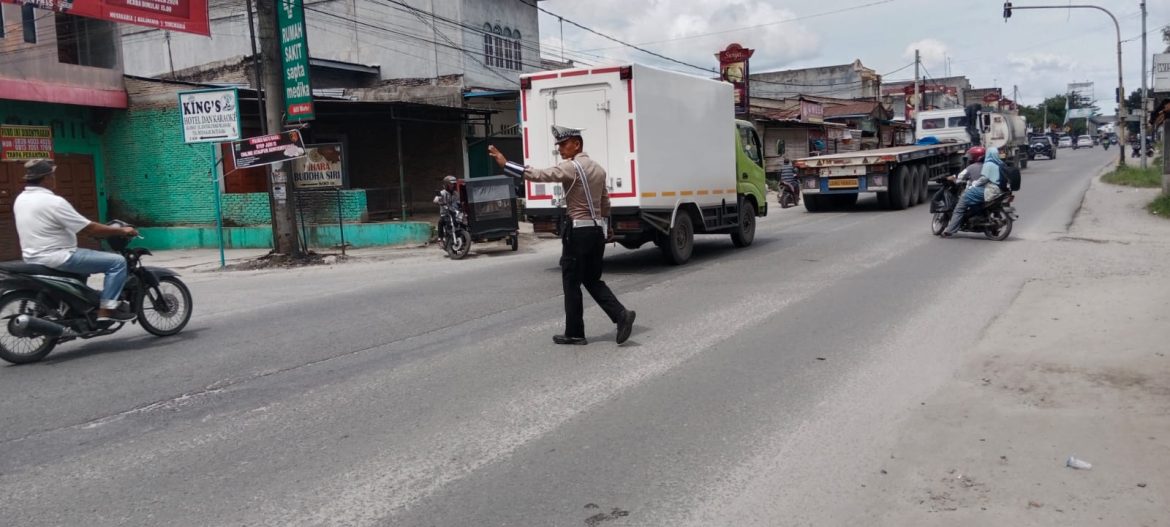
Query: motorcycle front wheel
x=939 y=222
x=458 y=245
x=165 y=311
x=22 y=350
x=1001 y=226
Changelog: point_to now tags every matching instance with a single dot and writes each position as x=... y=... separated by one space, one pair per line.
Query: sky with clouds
x=1040 y=51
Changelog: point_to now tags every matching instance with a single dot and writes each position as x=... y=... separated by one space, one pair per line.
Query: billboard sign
x=321 y=167
x=185 y=16
x=1162 y=72
x=210 y=116
x=268 y=149
x=733 y=68
x=294 y=56
x=22 y=143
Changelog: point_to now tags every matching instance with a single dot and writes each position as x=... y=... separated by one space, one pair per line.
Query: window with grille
x=502 y=48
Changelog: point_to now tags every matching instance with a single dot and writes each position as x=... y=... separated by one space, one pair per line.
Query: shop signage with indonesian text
x=185 y=16
x=268 y=149
x=22 y=143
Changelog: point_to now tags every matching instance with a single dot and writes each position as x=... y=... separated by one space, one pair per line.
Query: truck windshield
x=751 y=146
x=933 y=124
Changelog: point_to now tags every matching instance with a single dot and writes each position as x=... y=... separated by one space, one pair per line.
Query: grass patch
x=1134 y=176
x=1160 y=206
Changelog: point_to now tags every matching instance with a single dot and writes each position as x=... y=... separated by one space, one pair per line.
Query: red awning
x=62 y=94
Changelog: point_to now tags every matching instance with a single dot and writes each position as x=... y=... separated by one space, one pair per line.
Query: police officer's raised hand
x=497 y=155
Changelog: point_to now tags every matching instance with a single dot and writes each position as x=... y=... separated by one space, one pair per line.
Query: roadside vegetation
x=1134 y=176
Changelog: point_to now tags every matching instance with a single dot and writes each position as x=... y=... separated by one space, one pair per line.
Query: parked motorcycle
x=42 y=307
x=993 y=219
x=789 y=195
x=454 y=237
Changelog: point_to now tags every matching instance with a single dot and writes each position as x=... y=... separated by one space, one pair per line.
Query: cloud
x=690 y=31
x=932 y=52
x=1041 y=63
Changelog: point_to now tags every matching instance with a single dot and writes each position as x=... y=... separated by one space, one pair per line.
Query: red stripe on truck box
x=574 y=73
x=631 y=136
x=606 y=70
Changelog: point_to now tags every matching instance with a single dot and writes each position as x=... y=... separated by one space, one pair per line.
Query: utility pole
x=1121 y=113
x=284 y=220
x=1142 y=111
x=917 y=98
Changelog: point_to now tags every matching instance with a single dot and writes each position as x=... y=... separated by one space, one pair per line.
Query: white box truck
x=678 y=161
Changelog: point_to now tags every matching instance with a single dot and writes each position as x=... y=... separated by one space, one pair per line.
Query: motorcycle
x=42 y=307
x=454 y=237
x=1105 y=144
x=789 y=195
x=994 y=219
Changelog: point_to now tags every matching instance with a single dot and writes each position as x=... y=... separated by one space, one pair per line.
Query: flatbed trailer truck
x=899 y=175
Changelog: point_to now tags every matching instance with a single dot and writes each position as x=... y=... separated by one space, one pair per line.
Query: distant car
x=1041 y=145
x=1084 y=140
x=1065 y=142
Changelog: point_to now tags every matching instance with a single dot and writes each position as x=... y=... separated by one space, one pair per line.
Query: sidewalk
x=204 y=260
x=1078 y=365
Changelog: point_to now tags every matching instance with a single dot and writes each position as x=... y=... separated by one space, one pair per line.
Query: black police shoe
x=572 y=341
x=626 y=326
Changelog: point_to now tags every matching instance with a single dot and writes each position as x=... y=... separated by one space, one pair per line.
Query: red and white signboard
x=186 y=16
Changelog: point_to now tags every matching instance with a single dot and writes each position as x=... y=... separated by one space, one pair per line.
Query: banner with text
x=268 y=149
x=210 y=116
x=294 y=56
x=733 y=68
x=320 y=168
x=186 y=16
x=22 y=143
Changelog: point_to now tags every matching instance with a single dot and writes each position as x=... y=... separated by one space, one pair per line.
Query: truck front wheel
x=745 y=232
x=680 y=243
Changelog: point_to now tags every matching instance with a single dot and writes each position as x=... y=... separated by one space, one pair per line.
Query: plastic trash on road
x=1078 y=464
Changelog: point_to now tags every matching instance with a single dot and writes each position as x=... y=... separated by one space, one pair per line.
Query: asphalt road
x=422 y=391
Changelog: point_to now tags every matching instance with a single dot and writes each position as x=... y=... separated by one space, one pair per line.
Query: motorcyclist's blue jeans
x=87 y=262
x=972 y=199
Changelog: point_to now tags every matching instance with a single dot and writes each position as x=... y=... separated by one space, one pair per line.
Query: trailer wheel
x=681 y=241
x=924 y=189
x=915 y=184
x=900 y=186
x=745 y=232
x=812 y=203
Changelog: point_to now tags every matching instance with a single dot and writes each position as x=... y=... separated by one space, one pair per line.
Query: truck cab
x=749 y=166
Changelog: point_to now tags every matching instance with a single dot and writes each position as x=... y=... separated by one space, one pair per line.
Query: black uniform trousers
x=583 y=249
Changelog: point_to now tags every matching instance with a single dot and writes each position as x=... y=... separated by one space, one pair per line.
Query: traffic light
x=1007 y=10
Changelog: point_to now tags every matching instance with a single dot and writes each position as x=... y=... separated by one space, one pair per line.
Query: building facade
x=844 y=81
x=63 y=72
x=485 y=43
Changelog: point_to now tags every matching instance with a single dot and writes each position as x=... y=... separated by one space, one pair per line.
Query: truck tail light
x=628 y=225
x=543 y=225
x=626 y=73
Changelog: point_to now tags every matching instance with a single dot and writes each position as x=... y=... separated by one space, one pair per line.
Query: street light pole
x=1121 y=113
x=1142 y=113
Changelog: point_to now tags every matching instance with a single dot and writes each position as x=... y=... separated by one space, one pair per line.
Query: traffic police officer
x=583 y=233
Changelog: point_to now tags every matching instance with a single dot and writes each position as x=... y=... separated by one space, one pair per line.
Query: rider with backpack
x=989 y=186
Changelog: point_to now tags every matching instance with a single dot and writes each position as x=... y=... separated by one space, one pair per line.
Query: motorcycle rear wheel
x=939 y=222
x=170 y=318
x=22 y=350
x=998 y=233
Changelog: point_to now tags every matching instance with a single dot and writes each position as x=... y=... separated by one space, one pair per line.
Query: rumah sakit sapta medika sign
x=294 y=57
x=268 y=149
x=185 y=16
x=22 y=143
x=733 y=68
